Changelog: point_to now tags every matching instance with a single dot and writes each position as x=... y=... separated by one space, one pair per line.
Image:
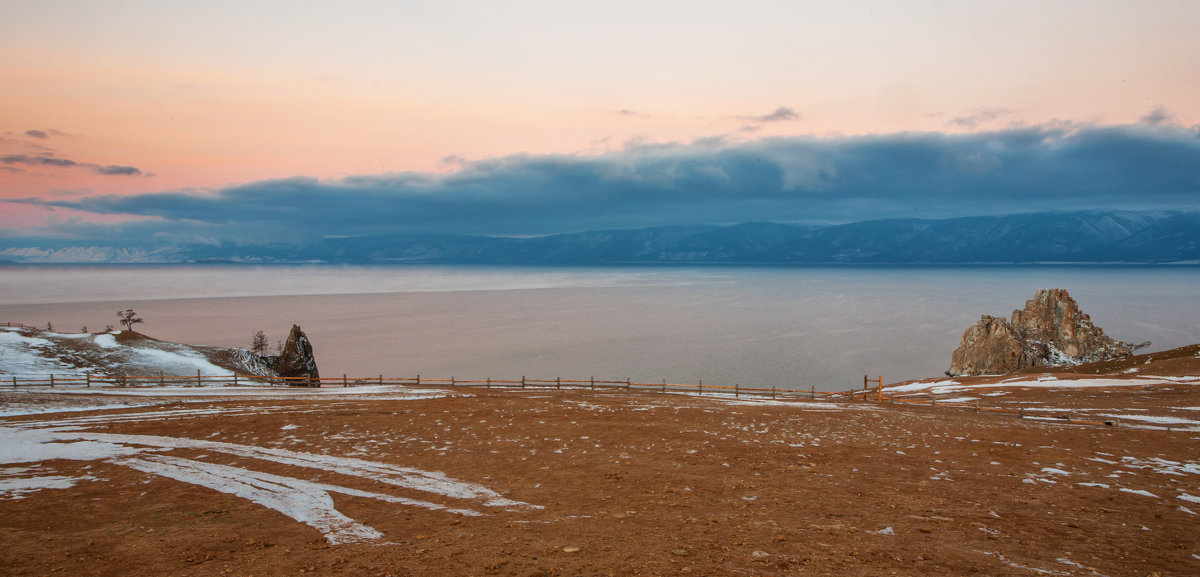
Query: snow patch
x=18 y=487
x=1139 y=492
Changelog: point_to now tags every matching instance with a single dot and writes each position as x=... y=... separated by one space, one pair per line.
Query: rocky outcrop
x=1049 y=331
x=296 y=359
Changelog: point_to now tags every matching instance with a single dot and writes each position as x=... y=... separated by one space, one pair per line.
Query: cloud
x=979 y=116
x=1159 y=116
x=116 y=170
x=37 y=160
x=48 y=160
x=44 y=134
x=794 y=179
x=781 y=114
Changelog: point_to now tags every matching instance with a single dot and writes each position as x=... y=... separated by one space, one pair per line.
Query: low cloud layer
x=47 y=160
x=794 y=179
x=781 y=114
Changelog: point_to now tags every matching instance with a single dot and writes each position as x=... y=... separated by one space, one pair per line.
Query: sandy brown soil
x=642 y=484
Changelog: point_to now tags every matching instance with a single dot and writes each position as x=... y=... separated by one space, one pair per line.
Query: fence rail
x=876 y=394
x=867 y=393
x=199 y=379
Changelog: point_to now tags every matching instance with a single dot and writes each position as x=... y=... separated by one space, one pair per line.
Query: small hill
x=30 y=352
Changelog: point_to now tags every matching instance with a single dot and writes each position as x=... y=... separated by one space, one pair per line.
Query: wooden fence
x=867 y=393
x=558 y=383
x=875 y=394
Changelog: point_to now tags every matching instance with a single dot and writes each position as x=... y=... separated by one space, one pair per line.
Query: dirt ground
x=624 y=483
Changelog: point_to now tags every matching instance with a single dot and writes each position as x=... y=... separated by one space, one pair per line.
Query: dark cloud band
x=797 y=179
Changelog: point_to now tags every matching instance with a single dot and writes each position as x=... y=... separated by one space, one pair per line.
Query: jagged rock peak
x=1049 y=331
x=297 y=359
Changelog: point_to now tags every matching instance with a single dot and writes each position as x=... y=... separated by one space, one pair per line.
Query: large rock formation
x=1050 y=331
x=296 y=360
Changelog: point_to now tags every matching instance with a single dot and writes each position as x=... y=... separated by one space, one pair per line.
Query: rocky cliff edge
x=1049 y=331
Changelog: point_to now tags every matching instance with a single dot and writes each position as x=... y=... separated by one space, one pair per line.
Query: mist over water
x=818 y=326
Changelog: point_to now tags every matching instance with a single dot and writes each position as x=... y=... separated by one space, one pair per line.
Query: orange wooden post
x=879 y=389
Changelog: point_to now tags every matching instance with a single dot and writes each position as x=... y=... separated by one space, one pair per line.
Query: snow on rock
x=1051 y=330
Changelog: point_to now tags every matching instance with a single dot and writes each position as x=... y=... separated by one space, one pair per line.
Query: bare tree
x=259 y=344
x=129 y=318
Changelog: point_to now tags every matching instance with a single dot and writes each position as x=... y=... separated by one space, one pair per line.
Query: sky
x=249 y=121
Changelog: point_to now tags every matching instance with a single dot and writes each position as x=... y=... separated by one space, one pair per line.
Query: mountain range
x=1046 y=237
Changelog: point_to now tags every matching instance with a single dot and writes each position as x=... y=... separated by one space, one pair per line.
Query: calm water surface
x=822 y=326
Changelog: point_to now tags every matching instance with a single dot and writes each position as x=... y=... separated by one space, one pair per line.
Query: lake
x=797 y=327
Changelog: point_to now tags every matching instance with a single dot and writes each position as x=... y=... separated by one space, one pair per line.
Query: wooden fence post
x=737 y=391
x=812 y=393
x=452 y=383
x=161 y=381
x=89 y=379
x=522 y=381
x=199 y=381
x=558 y=383
x=345 y=382
x=772 y=392
x=418 y=380
x=664 y=386
x=593 y=380
x=700 y=388
x=489 y=382
x=627 y=383
x=14 y=381
x=381 y=380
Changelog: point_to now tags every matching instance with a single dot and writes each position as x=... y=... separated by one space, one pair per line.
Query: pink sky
x=198 y=96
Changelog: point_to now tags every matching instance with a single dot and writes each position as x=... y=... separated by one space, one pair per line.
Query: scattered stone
x=681 y=552
x=760 y=554
x=570 y=549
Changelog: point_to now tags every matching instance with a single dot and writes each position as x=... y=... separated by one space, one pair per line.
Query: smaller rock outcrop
x=296 y=359
x=1049 y=331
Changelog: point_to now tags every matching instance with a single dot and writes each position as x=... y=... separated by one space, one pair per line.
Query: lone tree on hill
x=129 y=318
x=259 y=344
